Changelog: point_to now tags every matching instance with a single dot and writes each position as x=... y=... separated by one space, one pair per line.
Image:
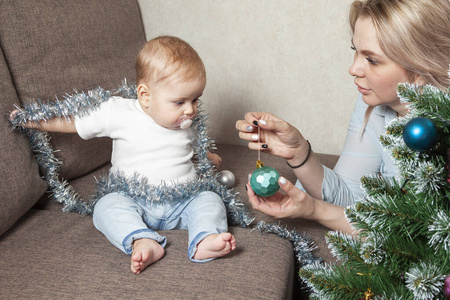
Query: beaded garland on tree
x=137 y=187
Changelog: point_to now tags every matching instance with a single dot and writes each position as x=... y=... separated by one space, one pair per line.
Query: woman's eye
x=195 y=100
x=371 y=61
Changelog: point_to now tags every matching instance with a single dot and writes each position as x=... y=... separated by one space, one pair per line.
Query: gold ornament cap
x=259 y=164
x=368 y=295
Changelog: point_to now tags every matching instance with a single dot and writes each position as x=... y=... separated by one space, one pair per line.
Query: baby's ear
x=143 y=93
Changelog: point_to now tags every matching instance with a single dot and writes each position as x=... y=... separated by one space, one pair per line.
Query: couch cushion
x=20 y=183
x=54 y=255
x=53 y=47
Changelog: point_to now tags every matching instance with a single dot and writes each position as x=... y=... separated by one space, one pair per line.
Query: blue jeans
x=123 y=221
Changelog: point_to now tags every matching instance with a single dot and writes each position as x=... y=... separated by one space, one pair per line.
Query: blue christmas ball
x=420 y=134
x=264 y=181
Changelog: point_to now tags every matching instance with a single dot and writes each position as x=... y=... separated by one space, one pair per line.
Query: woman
x=394 y=41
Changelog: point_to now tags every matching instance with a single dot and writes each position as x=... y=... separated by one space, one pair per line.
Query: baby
x=151 y=137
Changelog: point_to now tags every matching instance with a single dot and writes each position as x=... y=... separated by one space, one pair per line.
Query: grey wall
x=290 y=58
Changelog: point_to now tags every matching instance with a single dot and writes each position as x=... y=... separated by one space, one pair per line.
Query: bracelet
x=303 y=162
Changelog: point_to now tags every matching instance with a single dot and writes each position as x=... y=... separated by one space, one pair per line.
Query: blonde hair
x=413 y=33
x=164 y=56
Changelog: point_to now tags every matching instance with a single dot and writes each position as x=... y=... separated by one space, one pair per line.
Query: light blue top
x=362 y=155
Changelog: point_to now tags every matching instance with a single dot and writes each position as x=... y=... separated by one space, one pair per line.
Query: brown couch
x=49 y=47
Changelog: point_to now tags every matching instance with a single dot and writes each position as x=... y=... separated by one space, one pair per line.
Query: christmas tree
x=403 y=247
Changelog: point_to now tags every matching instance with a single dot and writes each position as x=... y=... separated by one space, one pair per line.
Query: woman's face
x=375 y=74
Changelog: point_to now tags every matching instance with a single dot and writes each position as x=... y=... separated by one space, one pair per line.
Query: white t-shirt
x=139 y=144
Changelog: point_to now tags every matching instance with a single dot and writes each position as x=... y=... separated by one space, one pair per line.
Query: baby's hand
x=12 y=117
x=214 y=159
x=13 y=114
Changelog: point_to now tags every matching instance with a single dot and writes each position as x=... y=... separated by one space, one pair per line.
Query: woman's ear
x=418 y=80
x=143 y=93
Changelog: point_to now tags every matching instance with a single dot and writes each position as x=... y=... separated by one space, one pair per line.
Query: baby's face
x=173 y=101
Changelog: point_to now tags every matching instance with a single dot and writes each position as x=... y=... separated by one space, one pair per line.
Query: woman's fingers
x=243 y=126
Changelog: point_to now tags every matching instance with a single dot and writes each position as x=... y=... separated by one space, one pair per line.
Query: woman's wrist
x=308 y=208
x=298 y=160
x=332 y=216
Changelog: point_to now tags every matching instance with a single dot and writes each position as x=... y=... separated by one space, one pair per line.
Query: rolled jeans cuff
x=142 y=234
x=193 y=247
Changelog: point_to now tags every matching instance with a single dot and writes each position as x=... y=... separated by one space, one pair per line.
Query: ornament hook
x=368 y=295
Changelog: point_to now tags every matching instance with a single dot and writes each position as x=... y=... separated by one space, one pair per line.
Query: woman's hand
x=294 y=203
x=282 y=139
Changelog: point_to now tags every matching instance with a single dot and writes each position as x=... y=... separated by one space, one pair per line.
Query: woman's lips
x=362 y=90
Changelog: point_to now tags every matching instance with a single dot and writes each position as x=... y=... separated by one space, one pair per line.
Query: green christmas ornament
x=264 y=180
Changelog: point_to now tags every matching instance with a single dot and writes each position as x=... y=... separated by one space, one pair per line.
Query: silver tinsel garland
x=137 y=187
x=303 y=245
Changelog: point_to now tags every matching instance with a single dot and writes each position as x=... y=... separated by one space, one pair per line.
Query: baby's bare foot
x=145 y=252
x=215 y=245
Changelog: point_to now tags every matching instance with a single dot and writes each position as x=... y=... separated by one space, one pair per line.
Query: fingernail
x=265 y=146
x=249 y=128
x=283 y=180
x=263 y=122
x=255 y=137
x=255 y=123
x=249 y=176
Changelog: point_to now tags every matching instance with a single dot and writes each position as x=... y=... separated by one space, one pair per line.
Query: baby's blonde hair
x=162 y=57
x=413 y=33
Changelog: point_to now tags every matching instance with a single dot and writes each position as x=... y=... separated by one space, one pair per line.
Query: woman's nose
x=356 y=69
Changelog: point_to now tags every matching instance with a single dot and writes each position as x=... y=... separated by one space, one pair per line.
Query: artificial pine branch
x=343 y=246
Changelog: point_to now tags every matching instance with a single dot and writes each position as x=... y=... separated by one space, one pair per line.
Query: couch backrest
x=48 y=49
x=20 y=183
x=55 y=46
